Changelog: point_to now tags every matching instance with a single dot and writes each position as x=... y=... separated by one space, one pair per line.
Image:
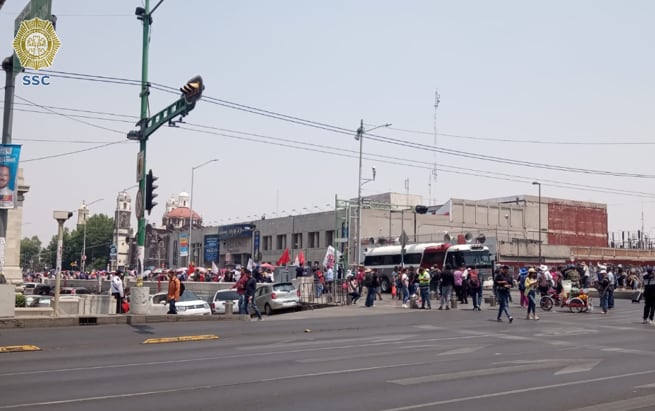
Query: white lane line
x=636 y=403
x=519 y=391
x=221 y=357
x=464 y=350
x=206 y=387
x=582 y=366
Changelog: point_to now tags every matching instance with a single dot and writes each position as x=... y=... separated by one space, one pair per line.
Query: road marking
x=464 y=350
x=519 y=366
x=636 y=403
x=582 y=366
x=520 y=391
x=19 y=348
x=646 y=386
x=181 y=339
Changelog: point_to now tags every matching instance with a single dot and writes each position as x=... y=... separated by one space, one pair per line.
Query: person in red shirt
x=241 y=290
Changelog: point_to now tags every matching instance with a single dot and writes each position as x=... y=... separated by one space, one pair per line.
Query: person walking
x=240 y=286
x=447 y=283
x=530 y=291
x=116 y=290
x=649 y=295
x=251 y=286
x=502 y=285
x=475 y=288
x=173 y=292
x=371 y=282
x=404 y=286
x=603 y=290
x=523 y=274
x=424 y=287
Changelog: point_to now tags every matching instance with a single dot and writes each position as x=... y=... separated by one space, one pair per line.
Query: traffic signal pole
x=145 y=92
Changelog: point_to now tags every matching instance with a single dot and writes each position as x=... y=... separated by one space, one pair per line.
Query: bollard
x=228 y=307
x=453 y=301
x=492 y=300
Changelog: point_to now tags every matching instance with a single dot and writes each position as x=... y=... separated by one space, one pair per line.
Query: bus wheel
x=385 y=287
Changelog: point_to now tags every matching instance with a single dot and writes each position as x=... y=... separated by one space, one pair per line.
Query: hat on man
x=504 y=266
x=543 y=267
x=532 y=270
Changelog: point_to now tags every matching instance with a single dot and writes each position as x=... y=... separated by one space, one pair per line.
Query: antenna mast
x=433 y=172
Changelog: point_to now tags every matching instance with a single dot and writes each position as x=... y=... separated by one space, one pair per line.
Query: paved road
x=346 y=358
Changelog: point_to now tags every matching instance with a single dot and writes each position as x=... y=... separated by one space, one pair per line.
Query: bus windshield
x=474 y=258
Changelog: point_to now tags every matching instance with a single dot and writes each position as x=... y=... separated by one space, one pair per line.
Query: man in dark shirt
x=447 y=283
x=502 y=284
x=251 y=286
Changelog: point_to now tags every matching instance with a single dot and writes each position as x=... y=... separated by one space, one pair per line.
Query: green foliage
x=30 y=253
x=99 y=233
x=20 y=300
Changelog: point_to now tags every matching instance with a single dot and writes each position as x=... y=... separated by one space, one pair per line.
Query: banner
x=211 y=248
x=9 y=155
x=329 y=260
x=184 y=244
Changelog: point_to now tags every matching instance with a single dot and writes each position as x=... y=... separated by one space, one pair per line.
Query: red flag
x=284 y=258
x=301 y=258
x=191 y=268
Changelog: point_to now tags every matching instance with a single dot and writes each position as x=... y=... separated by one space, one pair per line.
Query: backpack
x=474 y=281
x=182 y=288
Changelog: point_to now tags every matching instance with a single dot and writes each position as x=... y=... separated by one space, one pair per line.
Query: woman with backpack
x=474 y=288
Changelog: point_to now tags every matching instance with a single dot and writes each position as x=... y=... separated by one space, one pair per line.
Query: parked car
x=71 y=291
x=217 y=303
x=32 y=300
x=42 y=289
x=278 y=296
x=28 y=288
x=189 y=304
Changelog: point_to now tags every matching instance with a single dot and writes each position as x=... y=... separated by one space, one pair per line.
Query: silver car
x=220 y=297
x=278 y=296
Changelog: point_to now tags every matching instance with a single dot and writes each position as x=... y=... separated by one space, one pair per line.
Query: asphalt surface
x=342 y=358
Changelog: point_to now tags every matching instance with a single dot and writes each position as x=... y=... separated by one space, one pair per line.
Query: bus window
x=430 y=259
x=412 y=259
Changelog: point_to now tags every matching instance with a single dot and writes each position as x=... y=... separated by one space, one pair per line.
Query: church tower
x=119 y=253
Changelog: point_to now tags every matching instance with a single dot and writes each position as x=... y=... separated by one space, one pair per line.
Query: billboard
x=211 y=248
x=184 y=244
x=9 y=155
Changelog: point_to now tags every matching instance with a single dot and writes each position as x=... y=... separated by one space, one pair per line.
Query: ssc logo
x=36 y=43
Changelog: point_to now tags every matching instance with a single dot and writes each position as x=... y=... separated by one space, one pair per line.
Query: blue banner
x=9 y=155
x=235 y=231
x=211 y=248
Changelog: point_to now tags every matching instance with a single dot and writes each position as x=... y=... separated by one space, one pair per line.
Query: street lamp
x=193 y=169
x=539 y=184
x=61 y=217
x=83 y=215
x=360 y=136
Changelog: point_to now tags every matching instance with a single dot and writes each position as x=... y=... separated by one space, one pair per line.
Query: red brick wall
x=577 y=225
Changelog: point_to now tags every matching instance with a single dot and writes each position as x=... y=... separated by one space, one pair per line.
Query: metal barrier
x=313 y=294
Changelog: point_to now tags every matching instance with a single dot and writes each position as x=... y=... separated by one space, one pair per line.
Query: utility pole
x=433 y=172
x=191 y=92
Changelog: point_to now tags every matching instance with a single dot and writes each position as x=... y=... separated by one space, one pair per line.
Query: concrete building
x=510 y=226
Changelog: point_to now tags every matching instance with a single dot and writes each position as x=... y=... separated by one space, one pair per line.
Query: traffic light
x=420 y=209
x=150 y=191
x=192 y=90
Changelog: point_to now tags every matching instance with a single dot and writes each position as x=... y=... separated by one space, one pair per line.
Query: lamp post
x=61 y=217
x=193 y=169
x=360 y=136
x=83 y=215
x=539 y=184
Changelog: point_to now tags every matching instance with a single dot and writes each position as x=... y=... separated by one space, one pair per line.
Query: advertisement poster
x=9 y=155
x=211 y=248
x=184 y=244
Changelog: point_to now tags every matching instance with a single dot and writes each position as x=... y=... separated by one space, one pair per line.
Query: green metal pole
x=145 y=91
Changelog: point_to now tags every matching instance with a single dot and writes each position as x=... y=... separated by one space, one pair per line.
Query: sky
x=528 y=90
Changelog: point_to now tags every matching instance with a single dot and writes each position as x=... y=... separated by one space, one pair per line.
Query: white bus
x=443 y=255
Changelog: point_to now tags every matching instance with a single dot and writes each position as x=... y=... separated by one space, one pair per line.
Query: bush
x=20 y=300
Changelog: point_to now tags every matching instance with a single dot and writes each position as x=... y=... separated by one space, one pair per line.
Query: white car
x=188 y=304
x=220 y=297
x=488 y=283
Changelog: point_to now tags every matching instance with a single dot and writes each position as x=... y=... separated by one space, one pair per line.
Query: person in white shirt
x=116 y=289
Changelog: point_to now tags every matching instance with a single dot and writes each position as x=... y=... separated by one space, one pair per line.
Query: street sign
x=112 y=251
x=138 y=206
x=341 y=240
x=404 y=239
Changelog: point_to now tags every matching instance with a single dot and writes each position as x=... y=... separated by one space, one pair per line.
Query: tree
x=30 y=254
x=99 y=233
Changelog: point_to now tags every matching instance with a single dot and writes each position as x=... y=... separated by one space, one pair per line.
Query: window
x=313 y=239
x=267 y=243
x=329 y=237
x=281 y=241
x=297 y=240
